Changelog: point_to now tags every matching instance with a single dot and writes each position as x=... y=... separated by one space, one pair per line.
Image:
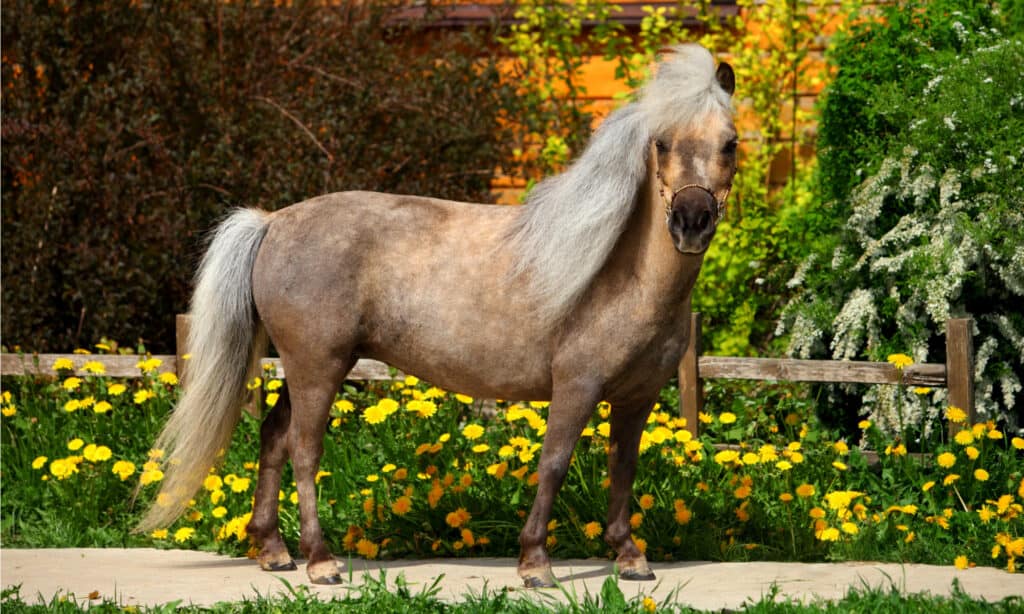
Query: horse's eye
x=660 y=144
x=730 y=147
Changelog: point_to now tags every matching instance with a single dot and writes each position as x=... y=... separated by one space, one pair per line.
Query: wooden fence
x=957 y=374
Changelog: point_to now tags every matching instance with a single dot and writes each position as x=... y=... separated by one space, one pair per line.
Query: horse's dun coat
x=584 y=290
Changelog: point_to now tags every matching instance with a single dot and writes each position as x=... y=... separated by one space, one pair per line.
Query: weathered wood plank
x=960 y=366
x=794 y=370
x=365 y=369
x=115 y=365
x=126 y=365
x=691 y=391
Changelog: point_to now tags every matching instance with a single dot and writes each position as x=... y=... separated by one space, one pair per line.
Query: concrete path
x=150 y=577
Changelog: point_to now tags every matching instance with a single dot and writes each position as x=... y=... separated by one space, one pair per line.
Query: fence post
x=691 y=392
x=960 y=367
x=182 y=323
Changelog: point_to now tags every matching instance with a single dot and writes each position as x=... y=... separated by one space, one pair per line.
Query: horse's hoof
x=323 y=572
x=538 y=577
x=638 y=575
x=537 y=582
x=289 y=566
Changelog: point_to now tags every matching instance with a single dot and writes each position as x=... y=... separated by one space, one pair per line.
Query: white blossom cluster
x=921 y=239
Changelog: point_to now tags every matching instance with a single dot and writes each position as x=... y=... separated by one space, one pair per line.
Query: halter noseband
x=669 y=201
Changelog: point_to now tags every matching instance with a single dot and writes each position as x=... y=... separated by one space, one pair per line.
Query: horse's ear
x=726 y=78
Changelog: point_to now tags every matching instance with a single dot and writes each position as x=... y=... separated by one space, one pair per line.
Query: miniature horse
x=584 y=290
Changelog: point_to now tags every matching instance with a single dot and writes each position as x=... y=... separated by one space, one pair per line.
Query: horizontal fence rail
x=956 y=374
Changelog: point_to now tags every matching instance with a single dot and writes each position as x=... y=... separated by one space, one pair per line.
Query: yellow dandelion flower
x=458 y=518
x=981 y=475
x=183 y=534
x=785 y=497
x=592 y=529
x=272 y=398
x=646 y=501
x=480 y=448
x=142 y=396
x=649 y=604
x=805 y=490
x=900 y=361
x=374 y=414
x=461 y=398
x=159 y=534
x=151 y=476
x=168 y=378
x=945 y=460
x=850 y=528
x=472 y=431
x=344 y=406
x=116 y=390
x=71 y=383
x=402 y=505
x=149 y=365
x=949 y=479
x=964 y=437
x=726 y=457
x=240 y=485
x=219 y=512
x=96 y=454
x=961 y=562
x=864 y=425
x=63 y=364
x=784 y=465
x=727 y=417
x=956 y=415
x=39 y=462
x=95 y=367
x=75 y=444
x=830 y=534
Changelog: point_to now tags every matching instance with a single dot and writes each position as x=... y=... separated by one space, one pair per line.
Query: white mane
x=571 y=221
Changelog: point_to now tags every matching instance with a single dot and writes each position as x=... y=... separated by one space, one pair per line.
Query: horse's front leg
x=627 y=426
x=571 y=406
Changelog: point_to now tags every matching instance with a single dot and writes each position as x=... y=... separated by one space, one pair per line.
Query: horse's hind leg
x=313 y=381
x=273 y=454
x=627 y=425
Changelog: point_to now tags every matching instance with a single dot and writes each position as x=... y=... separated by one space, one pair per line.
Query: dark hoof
x=537 y=582
x=289 y=566
x=637 y=576
x=327 y=580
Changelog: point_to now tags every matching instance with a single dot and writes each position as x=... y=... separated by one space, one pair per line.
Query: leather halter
x=668 y=201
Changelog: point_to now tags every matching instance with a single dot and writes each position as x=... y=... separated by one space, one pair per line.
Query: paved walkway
x=148 y=577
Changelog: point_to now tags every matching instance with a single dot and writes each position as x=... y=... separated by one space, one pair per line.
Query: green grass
x=374 y=596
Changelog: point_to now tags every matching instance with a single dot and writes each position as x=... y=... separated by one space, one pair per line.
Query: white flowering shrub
x=928 y=190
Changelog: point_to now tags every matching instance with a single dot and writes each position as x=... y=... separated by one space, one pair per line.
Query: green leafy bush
x=923 y=162
x=129 y=128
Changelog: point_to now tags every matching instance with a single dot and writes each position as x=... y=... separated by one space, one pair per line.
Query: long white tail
x=225 y=341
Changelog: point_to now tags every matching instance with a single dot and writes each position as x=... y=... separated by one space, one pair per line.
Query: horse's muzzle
x=692 y=220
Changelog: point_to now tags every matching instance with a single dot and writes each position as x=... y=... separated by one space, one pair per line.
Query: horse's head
x=695 y=163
